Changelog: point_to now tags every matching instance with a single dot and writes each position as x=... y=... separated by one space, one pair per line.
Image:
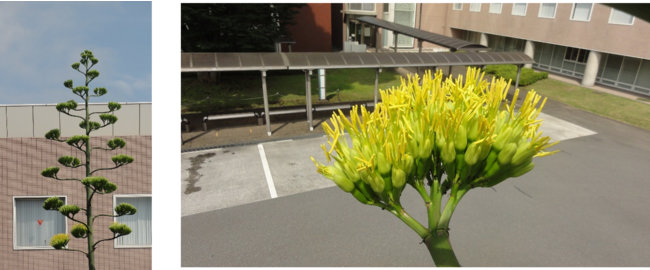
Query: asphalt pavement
x=263 y=204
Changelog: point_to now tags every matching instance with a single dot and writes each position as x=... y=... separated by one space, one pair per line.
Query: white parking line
x=267 y=172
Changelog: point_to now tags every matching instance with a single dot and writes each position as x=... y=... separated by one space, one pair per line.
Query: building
x=591 y=42
x=26 y=228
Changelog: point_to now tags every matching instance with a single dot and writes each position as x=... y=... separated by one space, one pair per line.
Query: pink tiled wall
x=21 y=161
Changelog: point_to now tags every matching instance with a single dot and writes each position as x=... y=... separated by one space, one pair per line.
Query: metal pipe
x=377 y=39
x=420 y=45
x=395 y=36
x=376 y=84
x=266 y=104
x=308 y=97
x=518 y=73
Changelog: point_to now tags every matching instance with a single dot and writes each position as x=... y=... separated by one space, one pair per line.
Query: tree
x=93 y=184
x=457 y=136
x=233 y=28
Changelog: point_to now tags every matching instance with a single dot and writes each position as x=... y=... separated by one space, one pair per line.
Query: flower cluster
x=462 y=129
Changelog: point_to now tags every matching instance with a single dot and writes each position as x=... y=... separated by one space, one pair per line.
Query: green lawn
x=243 y=90
x=622 y=109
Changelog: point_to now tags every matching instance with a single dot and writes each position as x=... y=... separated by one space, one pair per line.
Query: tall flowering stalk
x=457 y=136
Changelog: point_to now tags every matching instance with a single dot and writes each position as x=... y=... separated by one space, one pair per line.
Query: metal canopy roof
x=452 y=43
x=204 y=62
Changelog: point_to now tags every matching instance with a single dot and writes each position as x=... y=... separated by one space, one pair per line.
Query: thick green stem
x=449 y=209
x=440 y=250
x=89 y=191
x=400 y=213
x=436 y=198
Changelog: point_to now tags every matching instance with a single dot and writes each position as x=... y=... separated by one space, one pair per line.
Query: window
x=458 y=6
x=576 y=55
x=404 y=15
x=140 y=222
x=581 y=12
x=362 y=7
x=620 y=17
x=495 y=8
x=35 y=226
x=475 y=7
x=519 y=9
x=547 y=10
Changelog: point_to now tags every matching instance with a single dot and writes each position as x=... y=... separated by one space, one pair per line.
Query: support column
x=484 y=39
x=308 y=97
x=518 y=73
x=377 y=85
x=395 y=37
x=591 y=69
x=377 y=43
x=266 y=104
x=419 y=45
x=529 y=50
x=363 y=34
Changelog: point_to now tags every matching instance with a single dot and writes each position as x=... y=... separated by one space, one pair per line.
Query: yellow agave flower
x=459 y=128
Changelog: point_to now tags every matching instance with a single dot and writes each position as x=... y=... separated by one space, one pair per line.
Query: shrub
x=509 y=72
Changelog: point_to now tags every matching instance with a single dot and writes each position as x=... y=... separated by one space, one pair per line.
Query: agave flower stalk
x=446 y=136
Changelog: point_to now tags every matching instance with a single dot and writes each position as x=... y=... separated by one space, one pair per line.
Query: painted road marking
x=267 y=172
x=560 y=130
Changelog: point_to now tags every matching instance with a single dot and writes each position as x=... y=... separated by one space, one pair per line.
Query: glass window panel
x=644 y=74
x=580 y=68
x=581 y=11
x=558 y=56
x=405 y=15
x=630 y=68
x=495 y=8
x=547 y=10
x=476 y=7
x=458 y=6
x=538 y=51
x=140 y=222
x=34 y=225
x=368 y=7
x=545 y=59
x=612 y=67
x=569 y=66
x=519 y=9
x=601 y=65
x=582 y=56
x=620 y=17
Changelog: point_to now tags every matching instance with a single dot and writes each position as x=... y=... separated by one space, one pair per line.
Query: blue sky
x=39 y=41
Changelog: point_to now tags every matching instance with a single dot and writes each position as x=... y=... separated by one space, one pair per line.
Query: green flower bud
x=114 y=106
x=121 y=159
x=69 y=161
x=440 y=142
x=425 y=149
x=377 y=183
x=522 y=154
x=398 y=178
x=382 y=165
x=100 y=91
x=352 y=174
x=68 y=83
x=506 y=154
x=472 y=153
x=472 y=133
x=448 y=153
x=461 y=139
x=343 y=182
x=116 y=143
x=502 y=139
x=523 y=170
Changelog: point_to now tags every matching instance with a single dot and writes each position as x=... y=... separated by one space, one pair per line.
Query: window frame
x=115 y=196
x=611 y=14
x=525 y=9
x=374 y=7
x=591 y=10
x=500 y=9
x=479 y=7
x=13 y=221
x=539 y=14
x=453 y=6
